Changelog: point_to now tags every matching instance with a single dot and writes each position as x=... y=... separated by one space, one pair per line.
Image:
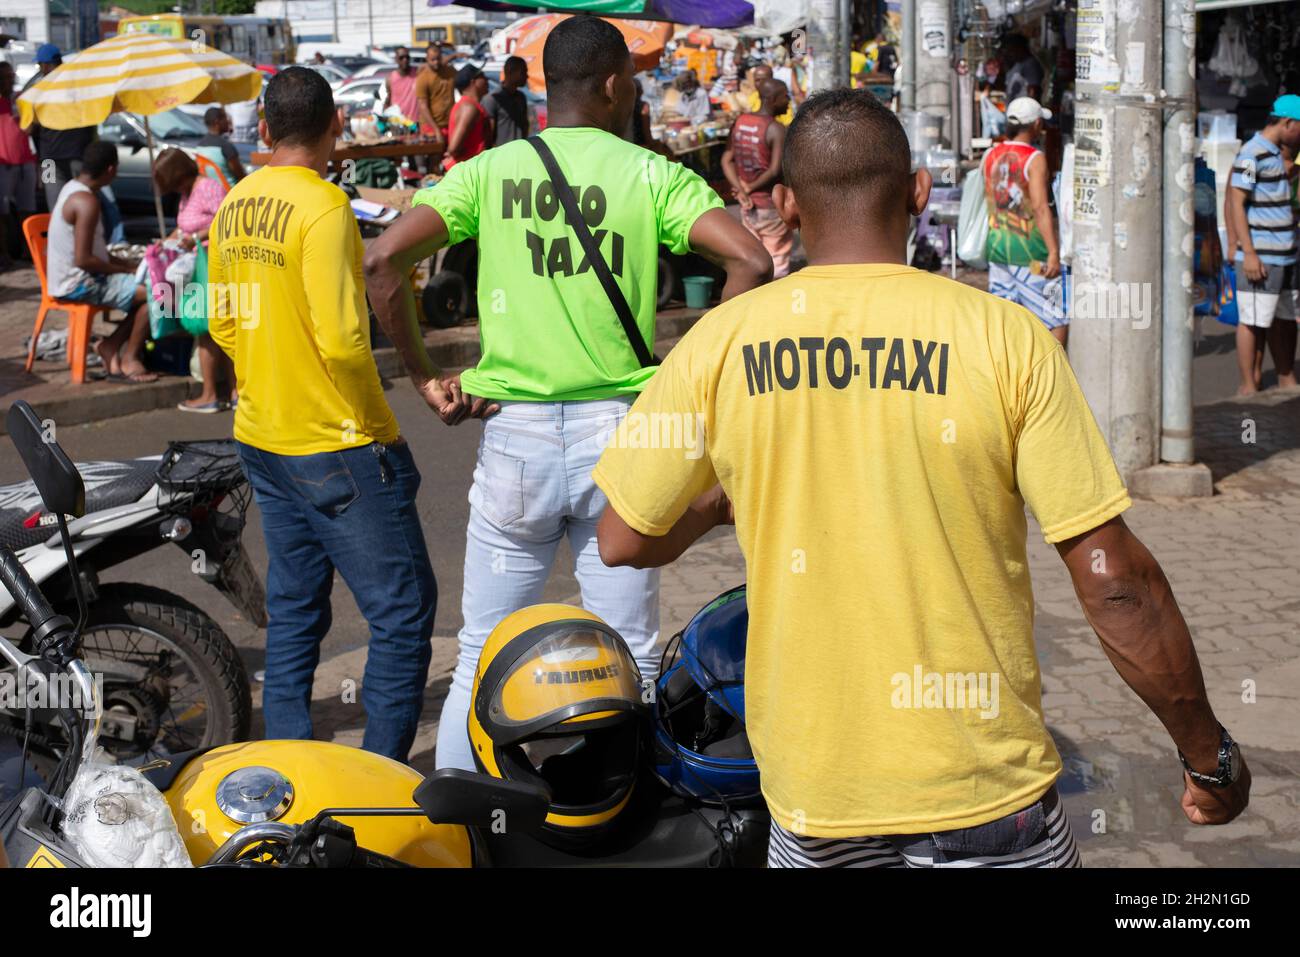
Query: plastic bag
x=180 y=269
x=973 y=220
x=116 y=818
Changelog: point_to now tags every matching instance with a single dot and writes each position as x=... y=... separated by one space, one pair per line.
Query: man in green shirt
x=558 y=370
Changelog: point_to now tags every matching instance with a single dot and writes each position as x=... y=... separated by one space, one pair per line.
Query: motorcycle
x=172 y=679
x=314 y=803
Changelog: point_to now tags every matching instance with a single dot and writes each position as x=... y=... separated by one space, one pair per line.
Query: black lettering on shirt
x=547 y=201
x=517 y=193
x=841 y=377
x=768 y=366
x=896 y=366
x=599 y=237
x=616 y=248
x=922 y=370
x=593 y=206
x=812 y=346
x=536 y=246
x=873 y=346
x=248 y=217
x=791 y=379
x=559 y=260
x=264 y=220
x=758 y=371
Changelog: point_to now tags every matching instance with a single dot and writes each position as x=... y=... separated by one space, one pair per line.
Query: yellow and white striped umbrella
x=138 y=73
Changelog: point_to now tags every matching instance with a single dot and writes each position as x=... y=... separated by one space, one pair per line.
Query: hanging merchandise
x=973 y=221
x=1232 y=60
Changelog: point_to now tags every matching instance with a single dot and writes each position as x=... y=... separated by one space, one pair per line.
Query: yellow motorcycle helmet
x=558 y=700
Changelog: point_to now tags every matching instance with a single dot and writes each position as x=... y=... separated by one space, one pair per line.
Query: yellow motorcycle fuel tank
x=318 y=775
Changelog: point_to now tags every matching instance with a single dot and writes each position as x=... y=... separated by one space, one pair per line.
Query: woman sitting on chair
x=176 y=172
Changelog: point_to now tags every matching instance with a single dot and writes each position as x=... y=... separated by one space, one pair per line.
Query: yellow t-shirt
x=288 y=304
x=879 y=431
x=858 y=63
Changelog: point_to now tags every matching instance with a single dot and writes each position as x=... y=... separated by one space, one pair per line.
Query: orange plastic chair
x=209 y=168
x=81 y=315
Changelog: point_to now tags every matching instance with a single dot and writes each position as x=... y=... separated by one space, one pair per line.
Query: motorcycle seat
x=670 y=832
x=24 y=521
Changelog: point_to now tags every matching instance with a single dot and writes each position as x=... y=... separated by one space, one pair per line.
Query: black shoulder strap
x=564 y=193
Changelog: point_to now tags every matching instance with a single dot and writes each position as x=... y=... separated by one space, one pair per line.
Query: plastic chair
x=209 y=168
x=81 y=315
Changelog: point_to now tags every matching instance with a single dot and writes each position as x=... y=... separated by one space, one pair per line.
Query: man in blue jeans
x=558 y=368
x=334 y=479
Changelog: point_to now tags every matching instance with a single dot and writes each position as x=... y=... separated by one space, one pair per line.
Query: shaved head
x=846 y=150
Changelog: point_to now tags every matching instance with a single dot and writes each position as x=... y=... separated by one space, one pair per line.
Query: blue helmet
x=701 y=749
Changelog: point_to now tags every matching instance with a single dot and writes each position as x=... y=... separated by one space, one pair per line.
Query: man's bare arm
x=1039 y=190
x=729 y=245
x=84 y=208
x=1127 y=600
x=388 y=262
x=620 y=544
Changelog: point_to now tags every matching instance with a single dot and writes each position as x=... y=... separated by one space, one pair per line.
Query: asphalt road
x=446 y=460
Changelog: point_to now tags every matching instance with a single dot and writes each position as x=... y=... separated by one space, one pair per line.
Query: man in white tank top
x=80 y=268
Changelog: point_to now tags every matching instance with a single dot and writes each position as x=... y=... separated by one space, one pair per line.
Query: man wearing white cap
x=1022 y=250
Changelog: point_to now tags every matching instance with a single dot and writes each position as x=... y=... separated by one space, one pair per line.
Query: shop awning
x=706 y=13
x=1204 y=5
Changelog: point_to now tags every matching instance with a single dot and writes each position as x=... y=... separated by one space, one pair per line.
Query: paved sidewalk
x=1232 y=562
x=48 y=387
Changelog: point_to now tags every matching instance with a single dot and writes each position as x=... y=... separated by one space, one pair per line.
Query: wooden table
x=354 y=151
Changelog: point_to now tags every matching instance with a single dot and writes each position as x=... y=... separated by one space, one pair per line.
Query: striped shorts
x=1048 y=299
x=1036 y=836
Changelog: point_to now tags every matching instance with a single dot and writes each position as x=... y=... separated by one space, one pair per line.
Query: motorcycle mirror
x=453 y=796
x=53 y=473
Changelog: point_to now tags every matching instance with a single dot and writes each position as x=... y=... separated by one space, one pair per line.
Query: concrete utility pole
x=932 y=45
x=827 y=27
x=907 y=57
x=1179 y=232
x=1117 y=324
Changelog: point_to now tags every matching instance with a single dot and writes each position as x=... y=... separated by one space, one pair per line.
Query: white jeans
x=532 y=487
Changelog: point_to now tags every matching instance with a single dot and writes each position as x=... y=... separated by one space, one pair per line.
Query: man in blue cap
x=1263 y=225
x=58 y=151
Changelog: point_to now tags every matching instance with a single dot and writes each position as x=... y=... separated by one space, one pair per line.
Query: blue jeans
x=532 y=487
x=353 y=511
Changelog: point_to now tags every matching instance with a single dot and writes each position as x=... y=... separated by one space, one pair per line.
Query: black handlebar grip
x=26 y=593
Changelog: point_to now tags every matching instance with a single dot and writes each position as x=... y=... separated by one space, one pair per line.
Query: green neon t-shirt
x=547 y=330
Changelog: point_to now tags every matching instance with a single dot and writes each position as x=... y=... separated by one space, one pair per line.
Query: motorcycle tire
x=171 y=621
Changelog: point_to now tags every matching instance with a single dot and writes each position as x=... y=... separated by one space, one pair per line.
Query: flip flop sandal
x=206 y=409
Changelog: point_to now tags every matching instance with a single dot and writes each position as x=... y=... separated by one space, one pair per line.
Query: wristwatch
x=1229 y=763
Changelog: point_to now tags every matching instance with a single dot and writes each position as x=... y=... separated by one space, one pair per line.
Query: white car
x=23 y=56
x=358 y=96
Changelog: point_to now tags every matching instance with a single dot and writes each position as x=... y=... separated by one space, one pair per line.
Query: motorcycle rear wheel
x=193 y=690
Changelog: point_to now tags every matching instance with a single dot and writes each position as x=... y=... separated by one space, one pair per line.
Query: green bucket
x=699 y=290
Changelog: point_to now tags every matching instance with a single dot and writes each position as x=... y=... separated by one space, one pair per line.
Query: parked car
x=358 y=96
x=380 y=70
x=22 y=55
x=334 y=74
x=133 y=187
